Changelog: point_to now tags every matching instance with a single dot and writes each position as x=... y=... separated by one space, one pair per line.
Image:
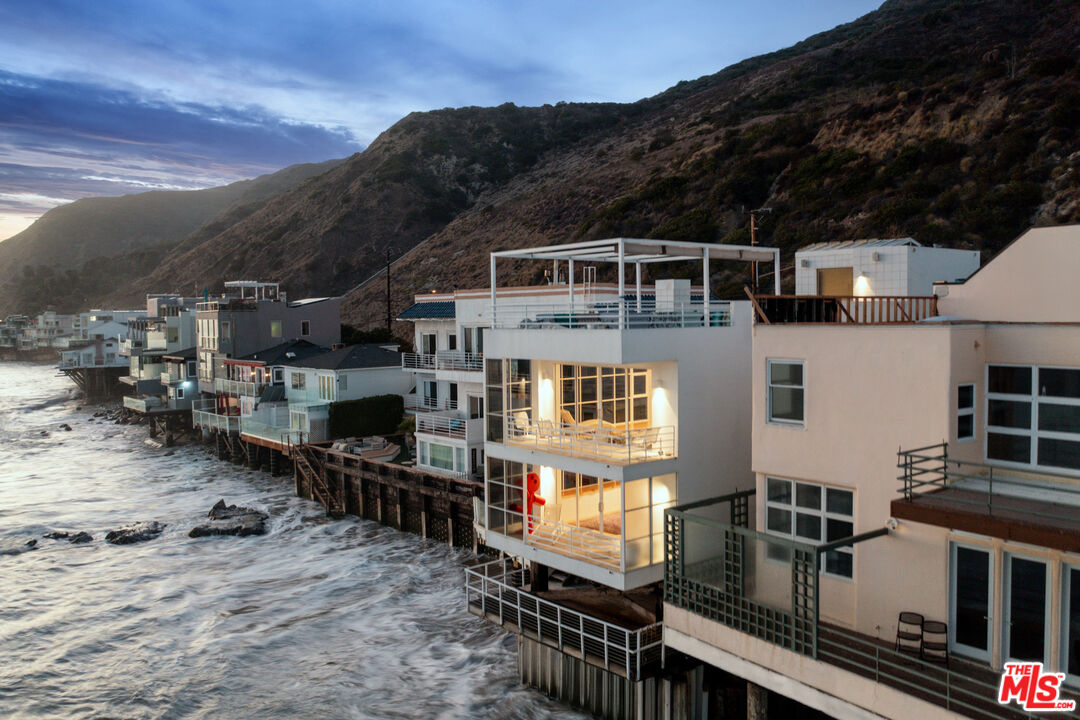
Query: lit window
x=785 y=392
x=965 y=411
x=275 y=328
x=814 y=514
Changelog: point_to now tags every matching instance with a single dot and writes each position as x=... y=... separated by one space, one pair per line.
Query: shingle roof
x=433 y=310
x=869 y=242
x=367 y=355
x=279 y=354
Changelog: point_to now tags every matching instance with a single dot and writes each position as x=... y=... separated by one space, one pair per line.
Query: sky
x=109 y=97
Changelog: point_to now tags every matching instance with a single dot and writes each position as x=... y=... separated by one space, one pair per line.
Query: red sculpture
x=532 y=487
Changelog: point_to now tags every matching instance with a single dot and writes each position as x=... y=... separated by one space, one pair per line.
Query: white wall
x=899 y=270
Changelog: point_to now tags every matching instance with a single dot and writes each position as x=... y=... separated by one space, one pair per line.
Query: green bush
x=376 y=415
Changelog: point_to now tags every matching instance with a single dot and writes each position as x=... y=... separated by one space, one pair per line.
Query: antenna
x=753 y=238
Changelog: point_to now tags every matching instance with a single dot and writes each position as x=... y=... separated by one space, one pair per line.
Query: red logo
x=1034 y=690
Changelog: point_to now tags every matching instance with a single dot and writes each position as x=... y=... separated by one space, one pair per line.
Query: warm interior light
x=660 y=494
x=862 y=286
x=547 y=398
x=547 y=484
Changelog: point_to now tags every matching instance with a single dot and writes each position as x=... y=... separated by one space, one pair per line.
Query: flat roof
x=638 y=250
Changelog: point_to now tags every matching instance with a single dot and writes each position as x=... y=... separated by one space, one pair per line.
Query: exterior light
x=862 y=286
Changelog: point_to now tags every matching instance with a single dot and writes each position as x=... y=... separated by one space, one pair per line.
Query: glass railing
x=610 y=444
x=607 y=316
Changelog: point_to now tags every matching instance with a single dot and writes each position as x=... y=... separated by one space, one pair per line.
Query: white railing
x=137 y=404
x=238 y=387
x=600 y=316
x=630 y=445
x=203 y=415
x=495 y=591
x=419 y=403
x=444 y=425
x=591 y=546
x=458 y=360
x=274 y=433
x=417 y=361
x=166 y=378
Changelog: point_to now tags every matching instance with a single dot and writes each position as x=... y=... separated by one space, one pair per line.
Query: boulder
x=139 y=532
x=232 y=520
x=15 y=547
x=65 y=427
x=56 y=535
x=80 y=538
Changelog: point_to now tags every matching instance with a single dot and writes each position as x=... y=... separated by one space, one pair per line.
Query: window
x=327 y=388
x=343 y=383
x=305 y=327
x=427 y=343
x=179 y=393
x=279 y=375
x=451 y=342
x=476 y=407
x=298 y=381
x=815 y=514
x=431 y=394
x=616 y=395
x=1033 y=416
x=275 y=328
x=785 y=392
x=965 y=411
x=191 y=368
x=226 y=327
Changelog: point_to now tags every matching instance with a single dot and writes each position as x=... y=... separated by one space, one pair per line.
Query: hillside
x=76 y=253
x=956 y=123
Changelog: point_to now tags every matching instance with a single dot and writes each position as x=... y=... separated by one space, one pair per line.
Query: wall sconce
x=804 y=263
x=876 y=257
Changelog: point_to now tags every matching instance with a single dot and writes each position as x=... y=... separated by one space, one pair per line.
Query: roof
x=185 y=354
x=309 y=301
x=367 y=355
x=636 y=250
x=279 y=354
x=434 y=310
x=869 y=242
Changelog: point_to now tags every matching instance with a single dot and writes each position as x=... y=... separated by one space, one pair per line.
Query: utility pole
x=388 y=289
x=753 y=239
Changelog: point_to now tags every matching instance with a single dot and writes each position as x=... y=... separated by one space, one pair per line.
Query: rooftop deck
x=842 y=310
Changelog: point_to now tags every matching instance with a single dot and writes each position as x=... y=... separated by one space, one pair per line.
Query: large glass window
x=1033 y=416
x=786 y=392
x=493 y=377
x=812 y=513
x=617 y=397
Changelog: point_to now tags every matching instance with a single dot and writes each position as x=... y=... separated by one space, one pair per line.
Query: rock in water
x=232 y=520
x=139 y=532
x=56 y=535
x=14 y=547
x=80 y=537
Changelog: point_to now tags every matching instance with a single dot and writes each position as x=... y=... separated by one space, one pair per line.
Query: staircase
x=327 y=492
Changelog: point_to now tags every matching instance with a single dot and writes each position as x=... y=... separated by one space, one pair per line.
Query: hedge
x=375 y=415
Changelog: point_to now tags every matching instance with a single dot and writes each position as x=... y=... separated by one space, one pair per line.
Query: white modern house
x=867 y=582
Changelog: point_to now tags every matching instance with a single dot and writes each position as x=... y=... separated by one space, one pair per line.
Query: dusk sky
x=117 y=96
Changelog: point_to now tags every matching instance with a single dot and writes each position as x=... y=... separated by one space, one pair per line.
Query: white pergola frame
x=637 y=251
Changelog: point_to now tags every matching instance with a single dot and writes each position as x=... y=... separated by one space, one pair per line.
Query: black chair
x=909 y=633
x=935 y=642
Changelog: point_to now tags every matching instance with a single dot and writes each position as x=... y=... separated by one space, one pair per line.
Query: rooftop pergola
x=638 y=252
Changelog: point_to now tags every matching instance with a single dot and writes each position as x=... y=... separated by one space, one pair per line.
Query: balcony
x=420 y=403
x=238 y=387
x=615 y=445
x=1039 y=508
x=204 y=415
x=768 y=587
x=495 y=591
x=459 y=361
x=843 y=310
x=417 y=361
x=278 y=434
x=141 y=405
x=610 y=316
x=451 y=424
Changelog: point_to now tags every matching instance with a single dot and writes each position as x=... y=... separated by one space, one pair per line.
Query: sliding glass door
x=1026 y=608
x=971 y=576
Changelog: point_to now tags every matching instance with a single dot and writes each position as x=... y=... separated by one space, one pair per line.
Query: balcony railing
x=623 y=446
x=841 y=310
x=238 y=387
x=928 y=474
x=203 y=415
x=417 y=361
x=598 y=316
x=495 y=591
x=592 y=546
x=282 y=434
x=458 y=360
x=141 y=405
x=420 y=403
x=447 y=425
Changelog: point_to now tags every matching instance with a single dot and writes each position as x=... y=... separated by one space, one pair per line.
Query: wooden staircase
x=307 y=467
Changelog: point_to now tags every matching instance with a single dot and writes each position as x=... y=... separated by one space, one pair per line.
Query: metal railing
x=844 y=309
x=419 y=403
x=608 y=316
x=417 y=361
x=929 y=470
x=591 y=546
x=459 y=360
x=625 y=446
x=238 y=387
x=495 y=591
x=444 y=425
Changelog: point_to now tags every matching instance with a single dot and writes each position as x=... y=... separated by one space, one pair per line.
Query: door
x=836 y=281
x=431 y=394
x=453 y=396
x=1025 y=608
x=970 y=590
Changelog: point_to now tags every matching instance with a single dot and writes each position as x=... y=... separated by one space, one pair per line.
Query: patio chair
x=522 y=426
x=935 y=642
x=909 y=633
